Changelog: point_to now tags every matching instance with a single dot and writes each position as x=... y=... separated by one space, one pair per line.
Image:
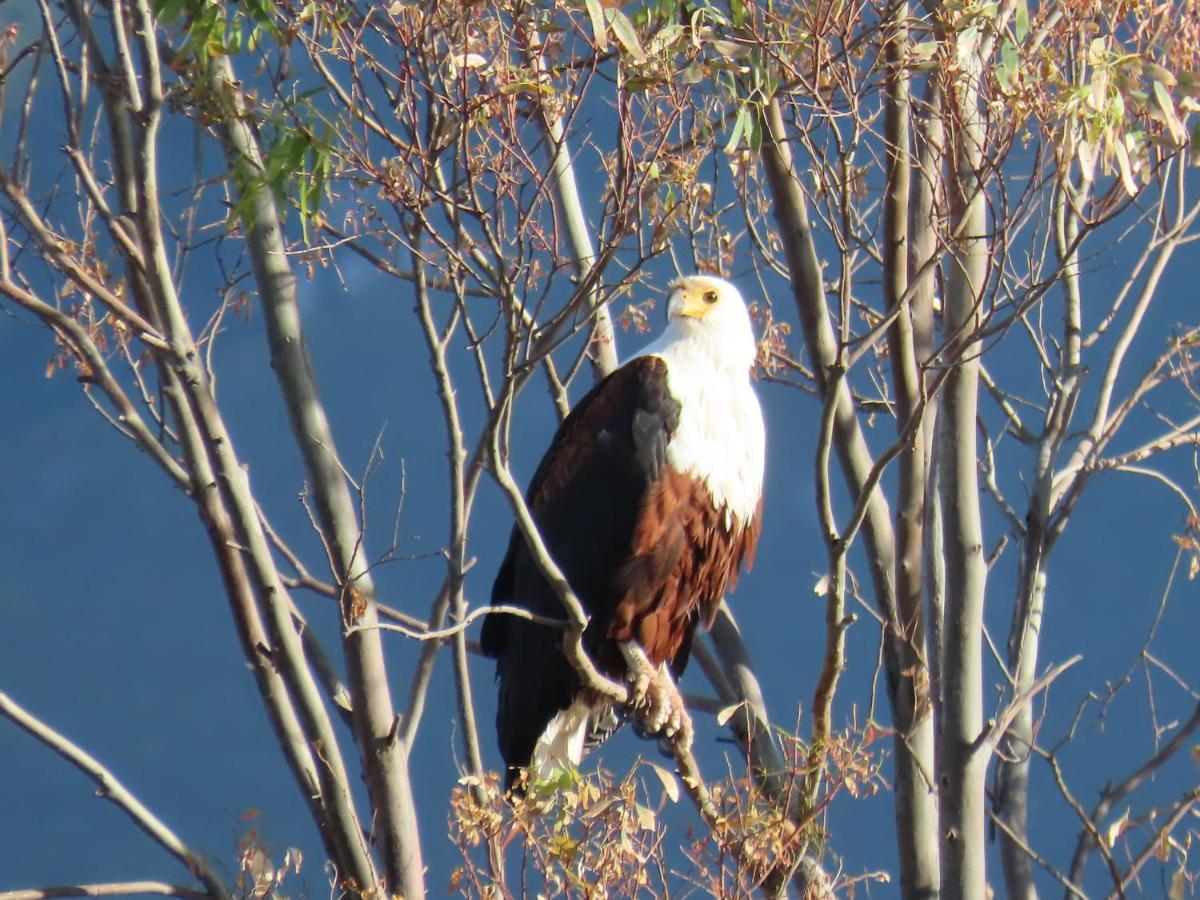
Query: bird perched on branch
x=648 y=499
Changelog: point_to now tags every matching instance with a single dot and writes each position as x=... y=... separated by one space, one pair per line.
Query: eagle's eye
x=710 y=297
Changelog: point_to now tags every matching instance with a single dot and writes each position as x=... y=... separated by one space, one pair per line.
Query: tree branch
x=112 y=789
x=108 y=889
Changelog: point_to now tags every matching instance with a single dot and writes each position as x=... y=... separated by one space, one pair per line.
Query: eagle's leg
x=655 y=697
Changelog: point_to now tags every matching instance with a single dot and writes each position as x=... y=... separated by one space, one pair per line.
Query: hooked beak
x=687 y=305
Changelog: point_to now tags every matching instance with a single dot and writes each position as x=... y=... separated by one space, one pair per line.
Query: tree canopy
x=367 y=253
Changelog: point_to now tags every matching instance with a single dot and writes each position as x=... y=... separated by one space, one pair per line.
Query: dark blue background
x=114 y=626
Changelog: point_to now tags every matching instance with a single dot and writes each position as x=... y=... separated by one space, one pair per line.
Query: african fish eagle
x=649 y=500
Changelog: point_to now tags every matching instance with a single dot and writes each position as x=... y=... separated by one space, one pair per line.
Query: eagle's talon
x=655 y=699
x=639 y=689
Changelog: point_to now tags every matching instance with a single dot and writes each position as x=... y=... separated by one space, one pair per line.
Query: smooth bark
x=385 y=759
x=961 y=763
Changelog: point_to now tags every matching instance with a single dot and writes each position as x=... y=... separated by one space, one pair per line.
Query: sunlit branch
x=111 y=788
x=108 y=889
x=440 y=634
x=437 y=342
x=602 y=344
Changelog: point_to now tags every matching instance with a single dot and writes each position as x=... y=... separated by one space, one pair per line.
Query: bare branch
x=1184 y=806
x=1114 y=794
x=440 y=634
x=108 y=889
x=112 y=789
x=996 y=730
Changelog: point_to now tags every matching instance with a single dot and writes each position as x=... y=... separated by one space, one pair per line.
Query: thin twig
x=440 y=634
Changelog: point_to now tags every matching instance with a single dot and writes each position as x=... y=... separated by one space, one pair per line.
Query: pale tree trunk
x=924 y=250
x=915 y=807
x=385 y=757
x=211 y=472
x=1012 y=775
x=961 y=762
x=1012 y=772
x=916 y=799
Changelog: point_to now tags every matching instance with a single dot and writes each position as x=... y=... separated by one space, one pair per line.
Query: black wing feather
x=585 y=497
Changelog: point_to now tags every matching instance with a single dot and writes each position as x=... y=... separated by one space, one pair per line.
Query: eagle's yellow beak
x=694 y=304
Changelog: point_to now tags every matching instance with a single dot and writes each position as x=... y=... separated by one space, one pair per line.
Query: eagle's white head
x=709 y=348
x=711 y=311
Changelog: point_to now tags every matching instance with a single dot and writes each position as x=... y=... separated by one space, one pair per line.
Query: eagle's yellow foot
x=654 y=697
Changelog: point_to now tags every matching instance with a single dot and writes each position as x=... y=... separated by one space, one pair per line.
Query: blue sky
x=114 y=627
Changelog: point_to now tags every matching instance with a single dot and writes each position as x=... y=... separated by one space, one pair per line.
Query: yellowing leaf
x=730 y=49
x=1178 y=888
x=1098 y=95
x=1115 y=830
x=1174 y=125
x=599 y=28
x=596 y=809
x=727 y=713
x=1162 y=849
x=1158 y=74
x=456 y=62
x=646 y=818
x=669 y=782
x=1125 y=167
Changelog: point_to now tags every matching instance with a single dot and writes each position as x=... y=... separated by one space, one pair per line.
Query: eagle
x=649 y=499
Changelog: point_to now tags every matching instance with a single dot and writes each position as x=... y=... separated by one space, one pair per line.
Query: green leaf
x=526 y=86
x=599 y=29
x=304 y=202
x=1167 y=105
x=755 y=136
x=1006 y=72
x=624 y=32
x=167 y=11
x=665 y=37
x=730 y=50
x=740 y=125
x=1189 y=84
x=641 y=82
x=921 y=55
x=1021 y=21
x=693 y=73
x=1158 y=74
